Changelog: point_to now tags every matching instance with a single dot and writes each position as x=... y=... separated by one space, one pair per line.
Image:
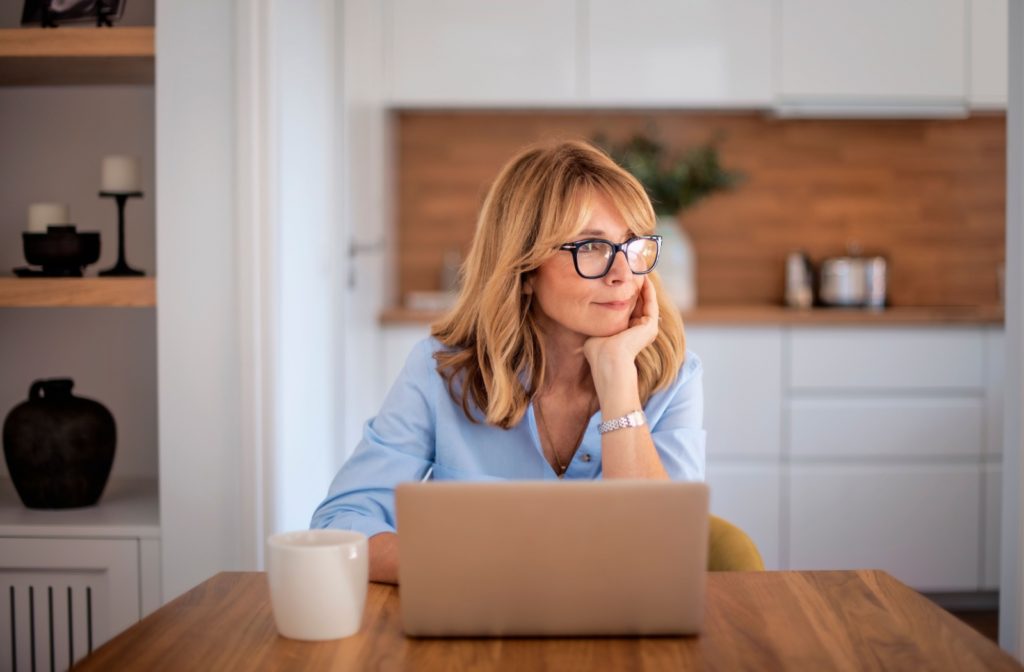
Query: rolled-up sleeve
x=678 y=432
x=397 y=445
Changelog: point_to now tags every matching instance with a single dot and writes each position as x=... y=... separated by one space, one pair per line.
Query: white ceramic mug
x=318 y=581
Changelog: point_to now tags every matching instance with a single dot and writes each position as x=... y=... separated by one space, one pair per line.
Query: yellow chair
x=730 y=549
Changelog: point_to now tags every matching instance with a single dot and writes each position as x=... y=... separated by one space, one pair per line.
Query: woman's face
x=598 y=307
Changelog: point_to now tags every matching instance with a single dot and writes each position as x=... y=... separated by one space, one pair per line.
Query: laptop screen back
x=526 y=558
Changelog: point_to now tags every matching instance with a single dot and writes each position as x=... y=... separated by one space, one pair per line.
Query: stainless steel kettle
x=853 y=281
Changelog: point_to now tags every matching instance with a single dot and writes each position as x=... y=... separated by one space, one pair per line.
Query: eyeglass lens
x=595 y=258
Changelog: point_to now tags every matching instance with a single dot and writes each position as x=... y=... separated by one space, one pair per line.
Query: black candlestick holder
x=121 y=267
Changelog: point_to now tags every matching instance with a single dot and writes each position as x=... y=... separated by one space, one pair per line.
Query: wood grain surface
x=69 y=41
x=77 y=292
x=927 y=194
x=838 y=620
x=77 y=55
x=774 y=315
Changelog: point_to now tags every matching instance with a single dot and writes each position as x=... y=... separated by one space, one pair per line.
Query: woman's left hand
x=610 y=354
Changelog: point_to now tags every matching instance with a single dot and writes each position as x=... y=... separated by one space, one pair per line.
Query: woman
x=554 y=331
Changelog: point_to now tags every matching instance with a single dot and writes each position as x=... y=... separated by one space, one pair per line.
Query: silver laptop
x=533 y=558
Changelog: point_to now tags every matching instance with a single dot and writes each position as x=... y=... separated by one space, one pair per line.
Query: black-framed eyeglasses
x=593 y=257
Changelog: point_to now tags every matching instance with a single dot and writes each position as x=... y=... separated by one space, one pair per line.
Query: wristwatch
x=634 y=419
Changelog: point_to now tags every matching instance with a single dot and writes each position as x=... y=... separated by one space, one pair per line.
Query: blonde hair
x=494 y=358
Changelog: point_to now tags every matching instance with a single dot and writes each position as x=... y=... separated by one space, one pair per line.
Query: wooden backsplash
x=927 y=194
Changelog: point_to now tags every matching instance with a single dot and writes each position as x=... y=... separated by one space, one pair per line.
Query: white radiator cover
x=62 y=598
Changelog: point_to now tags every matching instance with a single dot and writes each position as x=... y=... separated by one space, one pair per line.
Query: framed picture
x=54 y=12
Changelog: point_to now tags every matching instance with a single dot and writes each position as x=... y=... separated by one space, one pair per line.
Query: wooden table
x=858 y=620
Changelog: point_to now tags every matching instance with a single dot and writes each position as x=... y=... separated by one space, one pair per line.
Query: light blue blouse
x=421 y=432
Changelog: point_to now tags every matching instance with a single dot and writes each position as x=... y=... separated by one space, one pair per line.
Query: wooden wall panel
x=927 y=194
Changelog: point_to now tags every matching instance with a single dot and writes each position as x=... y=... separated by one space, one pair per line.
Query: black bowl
x=61 y=250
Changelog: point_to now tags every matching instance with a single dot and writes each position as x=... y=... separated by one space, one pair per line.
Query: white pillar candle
x=121 y=174
x=42 y=215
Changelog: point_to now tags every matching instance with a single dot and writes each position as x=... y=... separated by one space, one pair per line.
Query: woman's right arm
x=397 y=446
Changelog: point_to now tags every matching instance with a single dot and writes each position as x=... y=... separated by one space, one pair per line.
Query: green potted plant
x=674 y=182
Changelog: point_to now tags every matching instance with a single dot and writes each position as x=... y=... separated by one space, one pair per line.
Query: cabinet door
x=995 y=343
x=65 y=596
x=150 y=598
x=918 y=522
x=742 y=389
x=874 y=51
x=887 y=427
x=680 y=52
x=398 y=342
x=748 y=495
x=993 y=484
x=989 y=35
x=465 y=52
x=871 y=359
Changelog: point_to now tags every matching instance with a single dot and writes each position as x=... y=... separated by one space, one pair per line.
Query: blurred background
x=311 y=176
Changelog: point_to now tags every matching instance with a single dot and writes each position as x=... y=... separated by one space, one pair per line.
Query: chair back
x=731 y=549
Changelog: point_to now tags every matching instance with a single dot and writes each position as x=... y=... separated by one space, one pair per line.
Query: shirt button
x=586 y=457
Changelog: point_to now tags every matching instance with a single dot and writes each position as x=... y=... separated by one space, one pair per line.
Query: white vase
x=677 y=265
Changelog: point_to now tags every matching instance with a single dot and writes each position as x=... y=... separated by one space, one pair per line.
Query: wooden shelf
x=77 y=292
x=57 y=56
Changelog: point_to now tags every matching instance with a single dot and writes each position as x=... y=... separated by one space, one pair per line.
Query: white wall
x=253 y=258
x=309 y=265
x=110 y=353
x=366 y=210
x=1011 y=620
x=197 y=294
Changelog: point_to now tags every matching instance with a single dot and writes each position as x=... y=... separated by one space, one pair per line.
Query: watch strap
x=634 y=419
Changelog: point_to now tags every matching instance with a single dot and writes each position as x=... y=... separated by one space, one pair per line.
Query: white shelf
x=129 y=508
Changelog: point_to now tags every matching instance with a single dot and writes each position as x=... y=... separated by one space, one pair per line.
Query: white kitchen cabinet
x=749 y=496
x=71 y=579
x=728 y=356
x=742 y=389
x=918 y=522
x=679 y=53
x=883 y=427
x=995 y=348
x=67 y=596
x=992 y=484
x=868 y=358
x=886 y=437
x=462 y=52
x=873 y=52
x=398 y=342
x=833 y=57
x=989 y=37
x=849 y=447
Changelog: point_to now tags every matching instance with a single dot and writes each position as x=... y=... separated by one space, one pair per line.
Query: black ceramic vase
x=59 y=448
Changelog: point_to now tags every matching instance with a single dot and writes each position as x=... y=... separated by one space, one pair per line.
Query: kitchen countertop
x=754 y=315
